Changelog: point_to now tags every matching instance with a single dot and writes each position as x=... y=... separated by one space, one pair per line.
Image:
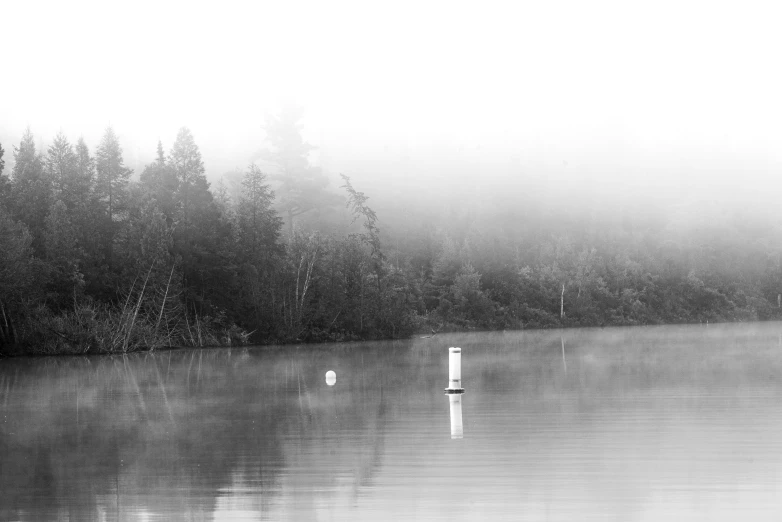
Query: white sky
x=613 y=92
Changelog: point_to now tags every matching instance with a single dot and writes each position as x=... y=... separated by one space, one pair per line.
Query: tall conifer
x=31 y=189
x=113 y=176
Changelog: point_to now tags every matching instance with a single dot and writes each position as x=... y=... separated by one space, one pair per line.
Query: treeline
x=94 y=261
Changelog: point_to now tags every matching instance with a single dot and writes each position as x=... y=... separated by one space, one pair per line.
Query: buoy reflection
x=457 y=429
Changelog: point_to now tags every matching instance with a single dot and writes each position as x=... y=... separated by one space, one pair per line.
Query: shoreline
x=414 y=336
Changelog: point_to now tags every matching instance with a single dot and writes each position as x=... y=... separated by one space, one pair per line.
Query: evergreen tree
x=258 y=231
x=17 y=275
x=301 y=187
x=357 y=203
x=112 y=180
x=111 y=188
x=161 y=156
x=160 y=184
x=63 y=254
x=5 y=184
x=31 y=190
x=88 y=215
x=147 y=240
x=62 y=169
x=189 y=173
x=223 y=198
x=201 y=239
x=258 y=223
x=82 y=185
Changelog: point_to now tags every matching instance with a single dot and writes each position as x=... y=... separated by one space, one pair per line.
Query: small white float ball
x=331 y=378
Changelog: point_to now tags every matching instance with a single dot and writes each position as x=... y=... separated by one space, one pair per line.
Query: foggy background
x=606 y=104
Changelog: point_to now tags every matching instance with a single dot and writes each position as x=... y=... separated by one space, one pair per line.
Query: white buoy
x=331 y=378
x=454 y=371
x=457 y=428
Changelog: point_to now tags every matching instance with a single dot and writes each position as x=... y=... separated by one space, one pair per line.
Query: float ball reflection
x=331 y=378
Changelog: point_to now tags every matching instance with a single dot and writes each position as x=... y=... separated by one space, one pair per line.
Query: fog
x=666 y=102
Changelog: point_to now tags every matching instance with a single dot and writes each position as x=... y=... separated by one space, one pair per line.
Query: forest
x=95 y=258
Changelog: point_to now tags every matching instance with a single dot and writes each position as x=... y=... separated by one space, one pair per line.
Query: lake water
x=625 y=424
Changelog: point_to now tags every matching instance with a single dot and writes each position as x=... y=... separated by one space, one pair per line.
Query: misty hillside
x=98 y=257
x=184 y=175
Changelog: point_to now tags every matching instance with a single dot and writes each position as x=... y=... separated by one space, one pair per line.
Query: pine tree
x=5 y=184
x=160 y=184
x=188 y=168
x=81 y=186
x=357 y=203
x=258 y=223
x=111 y=188
x=161 y=156
x=301 y=187
x=113 y=176
x=201 y=238
x=89 y=216
x=62 y=169
x=31 y=190
x=259 y=251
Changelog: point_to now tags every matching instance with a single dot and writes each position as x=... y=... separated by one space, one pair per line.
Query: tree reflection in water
x=639 y=421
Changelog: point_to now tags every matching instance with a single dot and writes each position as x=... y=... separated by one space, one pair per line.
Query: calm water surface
x=627 y=424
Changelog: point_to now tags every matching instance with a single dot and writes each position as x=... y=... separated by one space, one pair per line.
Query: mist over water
x=630 y=423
